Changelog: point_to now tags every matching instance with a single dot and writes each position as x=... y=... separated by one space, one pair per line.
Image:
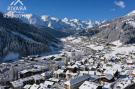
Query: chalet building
x=48 y=84
x=76 y=82
x=34 y=86
x=132 y=86
x=60 y=74
x=130 y=62
x=90 y=85
x=70 y=75
x=124 y=83
x=38 y=79
x=47 y=74
x=27 y=87
x=73 y=68
x=33 y=71
x=18 y=84
x=102 y=80
x=55 y=80
x=71 y=71
x=108 y=78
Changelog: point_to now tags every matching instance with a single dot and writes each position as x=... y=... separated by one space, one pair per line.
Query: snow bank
x=117 y=43
x=122 y=50
x=94 y=47
x=132 y=23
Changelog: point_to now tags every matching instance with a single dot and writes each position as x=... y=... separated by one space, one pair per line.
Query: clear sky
x=80 y=9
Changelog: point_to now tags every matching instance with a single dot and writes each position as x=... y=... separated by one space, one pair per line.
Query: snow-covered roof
x=43 y=74
x=35 y=69
x=95 y=47
x=122 y=83
x=110 y=71
x=34 y=86
x=109 y=76
x=77 y=80
x=59 y=71
x=89 y=85
x=84 y=72
x=125 y=50
x=18 y=83
x=38 y=77
x=98 y=73
x=107 y=85
x=43 y=86
x=27 y=86
x=73 y=66
x=24 y=71
x=71 y=73
x=54 y=79
x=117 y=43
x=130 y=61
x=48 y=83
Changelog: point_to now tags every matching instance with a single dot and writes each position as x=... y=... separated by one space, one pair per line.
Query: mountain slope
x=23 y=39
x=122 y=29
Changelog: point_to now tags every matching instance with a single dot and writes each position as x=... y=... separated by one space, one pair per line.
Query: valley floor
x=82 y=64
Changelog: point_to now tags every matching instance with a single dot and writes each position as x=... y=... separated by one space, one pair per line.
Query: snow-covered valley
x=98 y=56
x=92 y=64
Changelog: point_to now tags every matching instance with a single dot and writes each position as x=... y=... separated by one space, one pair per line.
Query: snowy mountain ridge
x=56 y=23
x=131 y=13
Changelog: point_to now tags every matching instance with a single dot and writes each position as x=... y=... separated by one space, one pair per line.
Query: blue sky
x=80 y=9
